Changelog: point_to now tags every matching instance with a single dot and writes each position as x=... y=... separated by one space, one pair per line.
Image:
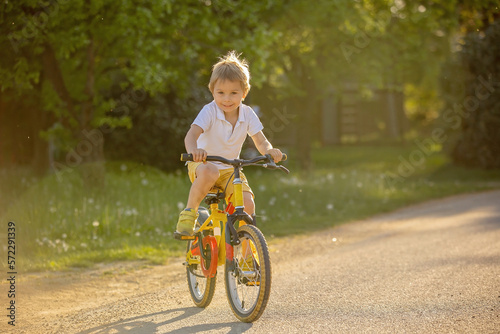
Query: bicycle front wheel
x=201 y=288
x=248 y=279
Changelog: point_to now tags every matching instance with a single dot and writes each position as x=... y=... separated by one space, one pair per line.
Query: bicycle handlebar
x=240 y=162
x=189 y=157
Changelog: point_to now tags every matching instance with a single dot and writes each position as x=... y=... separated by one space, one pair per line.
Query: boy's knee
x=248 y=202
x=208 y=172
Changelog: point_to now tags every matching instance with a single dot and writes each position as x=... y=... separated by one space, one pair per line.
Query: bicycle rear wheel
x=248 y=281
x=201 y=288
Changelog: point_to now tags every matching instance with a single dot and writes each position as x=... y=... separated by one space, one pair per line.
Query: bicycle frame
x=244 y=252
x=222 y=223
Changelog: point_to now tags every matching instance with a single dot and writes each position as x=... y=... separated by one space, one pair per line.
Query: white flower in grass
x=359 y=184
x=262 y=187
x=180 y=205
x=52 y=209
x=123 y=167
x=91 y=200
x=329 y=206
x=137 y=234
x=144 y=182
x=64 y=236
x=95 y=223
x=65 y=246
x=83 y=245
x=272 y=201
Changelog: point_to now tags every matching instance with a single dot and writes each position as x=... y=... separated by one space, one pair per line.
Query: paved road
x=430 y=268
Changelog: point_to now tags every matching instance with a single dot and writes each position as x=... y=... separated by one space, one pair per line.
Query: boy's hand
x=199 y=155
x=276 y=154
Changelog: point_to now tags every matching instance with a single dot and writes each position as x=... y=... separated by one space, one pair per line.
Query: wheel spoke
x=247 y=292
x=201 y=288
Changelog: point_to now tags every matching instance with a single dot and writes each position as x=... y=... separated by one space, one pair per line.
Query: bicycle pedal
x=249 y=274
x=183 y=237
x=253 y=283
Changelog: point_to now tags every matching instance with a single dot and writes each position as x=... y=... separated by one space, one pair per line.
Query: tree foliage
x=91 y=59
x=477 y=100
x=89 y=78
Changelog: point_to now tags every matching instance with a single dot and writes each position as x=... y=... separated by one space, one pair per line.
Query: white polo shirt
x=219 y=137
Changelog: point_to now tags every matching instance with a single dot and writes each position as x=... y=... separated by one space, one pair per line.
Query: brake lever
x=284 y=169
x=272 y=165
x=270 y=159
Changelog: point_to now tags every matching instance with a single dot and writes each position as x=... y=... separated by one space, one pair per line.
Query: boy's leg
x=248 y=202
x=206 y=176
x=246 y=250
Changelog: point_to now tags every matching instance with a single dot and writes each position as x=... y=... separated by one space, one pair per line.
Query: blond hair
x=232 y=68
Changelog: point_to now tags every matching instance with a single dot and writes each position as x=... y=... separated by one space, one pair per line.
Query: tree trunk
x=90 y=141
x=53 y=73
x=305 y=107
x=304 y=135
x=41 y=121
x=93 y=171
x=40 y=145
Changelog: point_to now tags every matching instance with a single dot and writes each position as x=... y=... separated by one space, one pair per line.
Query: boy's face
x=228 y=95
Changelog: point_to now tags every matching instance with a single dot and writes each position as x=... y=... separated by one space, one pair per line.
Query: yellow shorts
x=224 y=175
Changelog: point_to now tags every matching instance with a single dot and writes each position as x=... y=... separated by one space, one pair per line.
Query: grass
x=62 y=224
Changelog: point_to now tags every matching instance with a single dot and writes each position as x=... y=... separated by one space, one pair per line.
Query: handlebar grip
x=186 y=157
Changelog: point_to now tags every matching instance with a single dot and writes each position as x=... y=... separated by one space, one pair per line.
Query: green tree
x=475 y=109
x=368 y=44
x=93 y=61
x=469 y=82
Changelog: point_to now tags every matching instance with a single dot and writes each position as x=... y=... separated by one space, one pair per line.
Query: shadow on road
x=153 y=323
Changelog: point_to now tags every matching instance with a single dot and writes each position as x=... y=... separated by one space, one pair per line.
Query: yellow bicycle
x=226 y=235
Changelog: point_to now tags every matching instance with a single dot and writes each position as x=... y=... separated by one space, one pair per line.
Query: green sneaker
x=185 y=224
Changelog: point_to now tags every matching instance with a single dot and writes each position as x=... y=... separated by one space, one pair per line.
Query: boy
x=220 y=129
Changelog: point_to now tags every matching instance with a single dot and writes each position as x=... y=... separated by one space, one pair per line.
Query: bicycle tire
x=200 y=287
x=248 y=296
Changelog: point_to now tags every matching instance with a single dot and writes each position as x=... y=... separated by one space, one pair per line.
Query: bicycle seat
x=214 y=195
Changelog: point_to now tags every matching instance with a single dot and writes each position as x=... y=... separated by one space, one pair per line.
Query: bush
x=478 y=143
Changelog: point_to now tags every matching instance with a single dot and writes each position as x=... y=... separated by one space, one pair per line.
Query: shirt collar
x=222 y=117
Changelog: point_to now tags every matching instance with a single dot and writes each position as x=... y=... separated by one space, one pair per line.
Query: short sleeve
x=254 y=123
x=204 y=119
